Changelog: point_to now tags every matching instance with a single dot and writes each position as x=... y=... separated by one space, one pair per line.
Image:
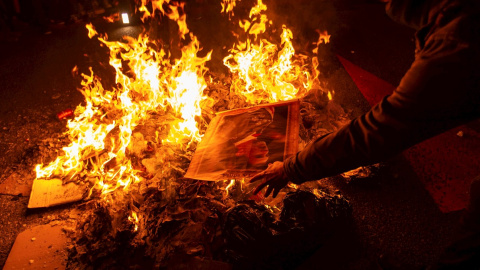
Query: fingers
x=269 y=190
x=275 y=192
x=273 y=178
x=260 y=187
x=257 y=177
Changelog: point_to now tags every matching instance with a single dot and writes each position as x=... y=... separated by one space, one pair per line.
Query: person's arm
x=438 y=92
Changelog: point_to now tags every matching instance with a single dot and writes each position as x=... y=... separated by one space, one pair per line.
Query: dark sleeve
x=438 y=92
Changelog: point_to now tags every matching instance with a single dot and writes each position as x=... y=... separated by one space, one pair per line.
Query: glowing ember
x=134 y=219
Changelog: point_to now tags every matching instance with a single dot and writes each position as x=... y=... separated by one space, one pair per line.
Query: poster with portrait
x=242 y=142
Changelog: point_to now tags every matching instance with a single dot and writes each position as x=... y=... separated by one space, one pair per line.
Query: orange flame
x=134 y=219
x=175 y=12
x=230 y=185
x=91 y=31
x=262 y=71
x=324 y=37
x=103 y=132
x=115 y=17
x=228 y=6
x=103 y=128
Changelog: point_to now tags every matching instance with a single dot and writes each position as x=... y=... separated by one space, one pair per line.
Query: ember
x=131 y=145
x=64 y=114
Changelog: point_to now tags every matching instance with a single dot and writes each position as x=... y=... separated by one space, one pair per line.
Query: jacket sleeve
x=438 y=92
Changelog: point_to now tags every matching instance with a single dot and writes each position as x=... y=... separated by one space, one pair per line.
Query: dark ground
x=394 y=215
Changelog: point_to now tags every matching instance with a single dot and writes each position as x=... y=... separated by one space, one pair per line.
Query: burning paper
x=242 y=142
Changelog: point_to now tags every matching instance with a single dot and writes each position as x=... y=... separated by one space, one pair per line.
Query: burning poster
x=240 y=143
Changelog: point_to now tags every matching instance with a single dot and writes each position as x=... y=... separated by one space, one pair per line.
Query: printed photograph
x=240 y=143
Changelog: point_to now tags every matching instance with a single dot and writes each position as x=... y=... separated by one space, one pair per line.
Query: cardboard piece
x=46 y=193
x=40 y=247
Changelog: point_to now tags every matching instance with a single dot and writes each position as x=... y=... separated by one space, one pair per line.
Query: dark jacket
x=441 y=90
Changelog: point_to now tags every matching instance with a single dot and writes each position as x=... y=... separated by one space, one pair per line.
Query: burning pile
x=202 y=222
x=130 y=145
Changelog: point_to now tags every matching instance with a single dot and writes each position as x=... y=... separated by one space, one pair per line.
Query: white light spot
x=125 y=18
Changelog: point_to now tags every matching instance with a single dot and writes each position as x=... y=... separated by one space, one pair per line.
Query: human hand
x=274 y=177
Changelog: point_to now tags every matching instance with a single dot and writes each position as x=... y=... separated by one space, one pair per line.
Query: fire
x=264 y=72
x=230 y=185
x=91 y=31
x=134 y=219
x=112 y=18
x=228 y=6
x=175 y=12
x=102 y=129
x=74 y=71
x=149 y=84
x=323 y=37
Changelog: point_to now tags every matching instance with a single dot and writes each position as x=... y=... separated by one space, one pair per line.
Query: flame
x=323 y=37
x=103 y=133
x=292 y=185
x=134 y=219
x=91 y=30
x=228 y=6
x=258 y=9
x=175 y=11
x=262 y=71
x=115 y=17
x=230 y=185
x=146 y=82
x=74 y=71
